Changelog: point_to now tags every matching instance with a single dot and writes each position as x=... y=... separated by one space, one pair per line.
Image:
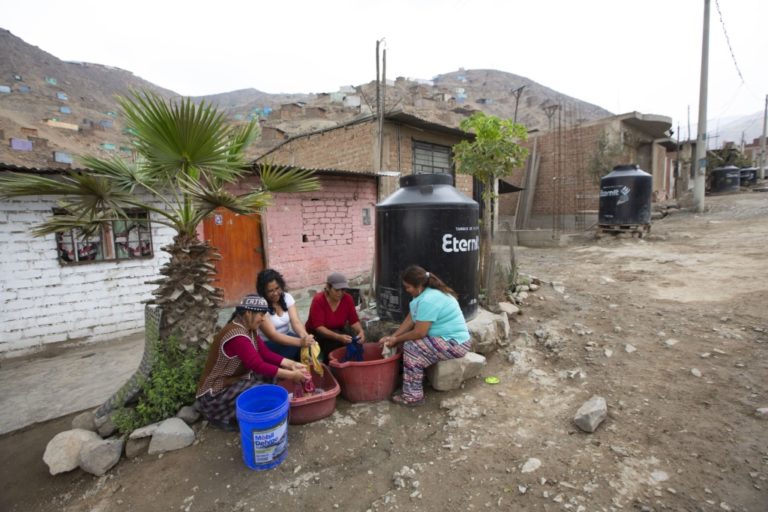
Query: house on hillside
x=561 y=180
x=307 y=235
x=62 y=289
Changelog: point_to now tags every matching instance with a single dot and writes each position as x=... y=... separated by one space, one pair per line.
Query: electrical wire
x=728 y=40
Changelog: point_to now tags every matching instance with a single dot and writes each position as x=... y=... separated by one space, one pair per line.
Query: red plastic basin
x=309 y=408
x=372 y=379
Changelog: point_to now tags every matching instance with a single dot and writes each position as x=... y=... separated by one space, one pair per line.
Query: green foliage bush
x=172 y=384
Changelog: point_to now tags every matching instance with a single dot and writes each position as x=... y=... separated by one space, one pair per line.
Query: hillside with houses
x=52 y=111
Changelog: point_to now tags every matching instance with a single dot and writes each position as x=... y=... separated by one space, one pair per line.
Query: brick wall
x=311 y=234
x=567 y=183
x=349 y=148
x=398 y=152
x=43 y=302
x=353 y=148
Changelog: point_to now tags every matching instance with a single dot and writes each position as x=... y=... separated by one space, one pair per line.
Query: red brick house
x=306 y=236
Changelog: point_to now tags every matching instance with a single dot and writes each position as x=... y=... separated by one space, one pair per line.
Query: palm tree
x=187 y=155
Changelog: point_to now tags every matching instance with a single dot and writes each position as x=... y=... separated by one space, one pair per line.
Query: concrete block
x=447 y=375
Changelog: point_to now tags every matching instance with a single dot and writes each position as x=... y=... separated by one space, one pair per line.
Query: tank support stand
x=638 y=230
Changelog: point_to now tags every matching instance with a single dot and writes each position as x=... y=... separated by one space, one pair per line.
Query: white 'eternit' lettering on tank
x=453 y=244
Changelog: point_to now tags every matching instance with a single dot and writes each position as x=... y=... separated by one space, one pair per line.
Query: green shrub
x=172 y=384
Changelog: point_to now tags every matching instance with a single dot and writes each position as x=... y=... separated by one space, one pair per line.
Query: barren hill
x=57 y=110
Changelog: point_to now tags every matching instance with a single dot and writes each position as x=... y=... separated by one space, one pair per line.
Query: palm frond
x=18 y=185
x=207 y=197
x=98 y=194
x=63 y=223
x=257 y=200
x=239 y=140
x=179 y=137
x=127 y=175
x=86 y=193
x=288 y=179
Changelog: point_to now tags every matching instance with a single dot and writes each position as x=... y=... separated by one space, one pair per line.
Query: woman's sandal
x=401 y=400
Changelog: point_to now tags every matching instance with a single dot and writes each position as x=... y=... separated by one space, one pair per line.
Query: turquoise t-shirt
x=443 y=311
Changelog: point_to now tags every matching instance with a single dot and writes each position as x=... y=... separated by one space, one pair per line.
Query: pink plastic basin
x=372 y=379
x=309 y=408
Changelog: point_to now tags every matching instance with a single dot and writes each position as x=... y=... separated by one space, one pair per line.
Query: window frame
x=107 y=240
x=433 y=149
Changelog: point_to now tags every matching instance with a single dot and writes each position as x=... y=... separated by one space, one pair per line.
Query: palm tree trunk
x=132 y=387
x=189 y=299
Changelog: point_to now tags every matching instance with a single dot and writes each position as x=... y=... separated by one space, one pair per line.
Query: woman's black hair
x=265 y=277
x=417 y=276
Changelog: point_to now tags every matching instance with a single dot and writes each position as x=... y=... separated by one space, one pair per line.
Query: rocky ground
x=670 y=329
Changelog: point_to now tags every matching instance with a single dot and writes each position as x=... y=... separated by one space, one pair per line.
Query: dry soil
x=670 y=329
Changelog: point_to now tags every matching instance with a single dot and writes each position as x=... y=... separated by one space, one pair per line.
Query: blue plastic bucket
x=262 y=412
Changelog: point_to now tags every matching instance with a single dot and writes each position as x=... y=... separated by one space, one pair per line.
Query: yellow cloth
x=309 y=358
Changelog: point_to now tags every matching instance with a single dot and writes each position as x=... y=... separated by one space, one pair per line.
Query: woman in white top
x=282 y=330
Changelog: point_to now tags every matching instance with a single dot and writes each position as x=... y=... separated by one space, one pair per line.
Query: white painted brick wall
x=43 y=302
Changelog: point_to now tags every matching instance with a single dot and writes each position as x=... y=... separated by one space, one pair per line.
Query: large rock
x=189 y=414
x=136 y=447
x=85 y=421
x=145 y=431
x=105 y=426
x=509 y=309
x=98 y=457
x=449 y=374
x=62 y=453
x=488 y=331
x=591 y=414
x=172 y=434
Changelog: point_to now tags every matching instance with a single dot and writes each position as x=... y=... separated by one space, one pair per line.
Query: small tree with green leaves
x=494 y=153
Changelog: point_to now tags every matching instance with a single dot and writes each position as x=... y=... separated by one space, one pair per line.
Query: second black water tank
x=725 y=179
x=427 y=222
x=625 y=196
x=748 y=176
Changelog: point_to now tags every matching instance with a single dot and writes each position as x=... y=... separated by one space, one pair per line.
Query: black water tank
x=725 y=179
x=427 y=222
x=747 y=176
x=625 y=196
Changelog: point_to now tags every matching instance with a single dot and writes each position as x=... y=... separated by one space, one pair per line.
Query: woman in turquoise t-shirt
x=433 y=331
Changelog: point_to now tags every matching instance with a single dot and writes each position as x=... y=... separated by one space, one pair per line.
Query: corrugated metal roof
x=36 y=170
x=255 y=166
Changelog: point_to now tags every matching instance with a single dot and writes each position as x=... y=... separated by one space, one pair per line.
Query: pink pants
x=424 y=352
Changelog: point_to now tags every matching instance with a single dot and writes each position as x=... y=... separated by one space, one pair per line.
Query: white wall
x=43 y=302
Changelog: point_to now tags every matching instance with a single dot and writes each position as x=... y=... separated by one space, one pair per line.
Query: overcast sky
x=623 y=55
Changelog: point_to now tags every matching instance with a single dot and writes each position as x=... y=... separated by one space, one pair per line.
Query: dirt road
x=670 y=329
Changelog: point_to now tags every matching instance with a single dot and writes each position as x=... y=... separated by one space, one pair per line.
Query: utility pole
x=701 y=138
x=382 y=106
x=381 y=79
x=761 y=174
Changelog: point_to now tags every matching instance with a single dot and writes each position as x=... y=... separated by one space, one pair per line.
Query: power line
x=728 y=40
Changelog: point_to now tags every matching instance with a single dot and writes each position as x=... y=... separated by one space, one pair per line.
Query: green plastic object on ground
x=492 y=380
